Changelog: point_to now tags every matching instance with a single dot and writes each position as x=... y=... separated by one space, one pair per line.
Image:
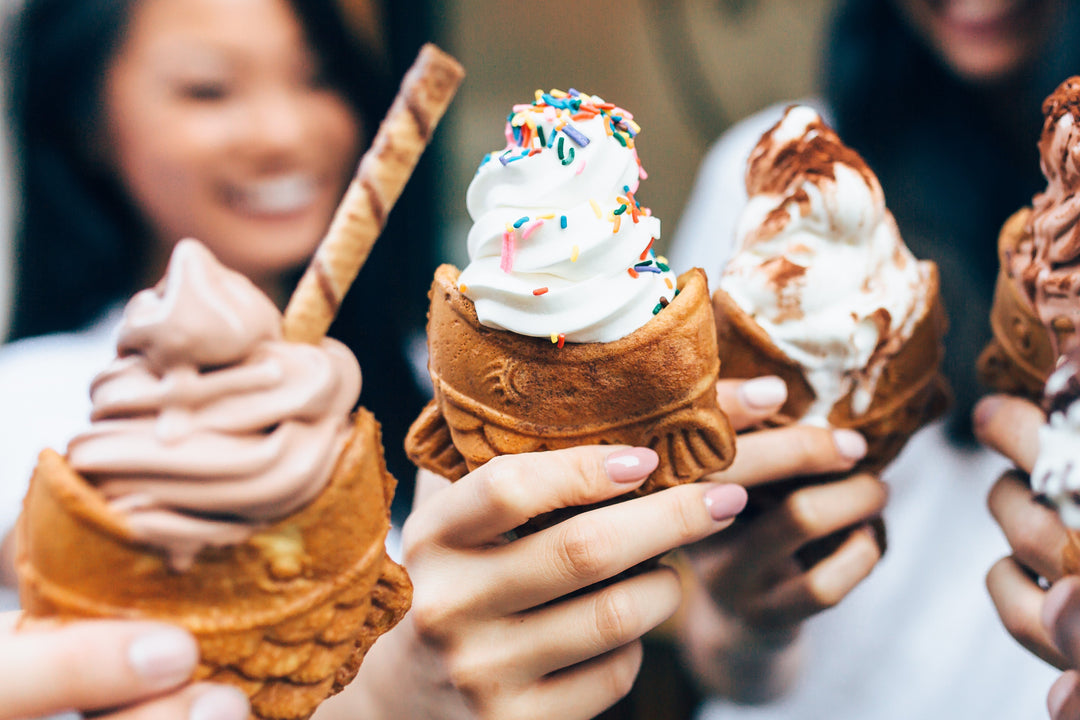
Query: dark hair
x=80 y=242
x=74 y=216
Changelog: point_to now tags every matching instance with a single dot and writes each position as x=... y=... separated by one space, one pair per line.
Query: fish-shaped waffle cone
x=910 y=391
x=499 y=393
x=286 y=616
x=1022 y=353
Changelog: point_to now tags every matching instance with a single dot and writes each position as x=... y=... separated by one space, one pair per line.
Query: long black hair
x=81 y=243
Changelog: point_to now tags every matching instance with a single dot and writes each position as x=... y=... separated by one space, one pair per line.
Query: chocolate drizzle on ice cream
x=820 y=264
x=209 y=424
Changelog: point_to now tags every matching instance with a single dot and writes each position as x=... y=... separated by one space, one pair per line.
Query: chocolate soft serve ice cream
x=223 y=485
x=822 y=290
x=1037 y=299
x=1047 y=263
x=566 y=328
x=209 y=425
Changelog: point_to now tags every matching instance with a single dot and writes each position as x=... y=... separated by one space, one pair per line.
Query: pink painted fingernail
x=631 y=465
x=220 y=703
x=164 y=657
x=763 y=393
x=725 y=501
x=850 y=444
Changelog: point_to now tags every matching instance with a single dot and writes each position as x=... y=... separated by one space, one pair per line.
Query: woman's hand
x=753 y=590
x=124 y=670
x=1047 y=623
x=513 y=628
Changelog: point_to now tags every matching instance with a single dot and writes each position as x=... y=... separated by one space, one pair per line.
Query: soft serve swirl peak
x=209 y=425
x=560 y=246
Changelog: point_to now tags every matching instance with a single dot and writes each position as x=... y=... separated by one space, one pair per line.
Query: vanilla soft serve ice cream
x=820 y=264
x=560 y=246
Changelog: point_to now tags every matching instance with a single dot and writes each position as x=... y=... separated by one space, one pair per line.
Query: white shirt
x=45 y=400
x=919 y=638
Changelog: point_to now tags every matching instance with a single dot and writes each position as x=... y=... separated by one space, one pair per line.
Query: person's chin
x=987 y=65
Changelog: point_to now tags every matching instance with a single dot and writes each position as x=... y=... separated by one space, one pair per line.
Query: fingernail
x=220 y=702
x=725 y=501
x=850 y=444
x=1059 y=694
x=164 y=657
x=985 y=410
x=763 y=393
x=631 y=465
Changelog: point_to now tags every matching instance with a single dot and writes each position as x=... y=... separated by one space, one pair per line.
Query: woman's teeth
x=279 y=196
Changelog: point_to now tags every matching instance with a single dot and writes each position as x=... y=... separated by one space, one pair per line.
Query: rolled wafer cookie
x=425 y=93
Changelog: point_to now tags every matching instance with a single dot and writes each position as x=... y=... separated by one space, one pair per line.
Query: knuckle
x=823 y=594
x=415 y=537
x=803 y=513
x=431 y=618
x=811 y=450
x=500 y=485
x=620 y=673
x=685 y=515
x=583 y=550
x=470 y=675
x=1032 y=540
x=618 y=618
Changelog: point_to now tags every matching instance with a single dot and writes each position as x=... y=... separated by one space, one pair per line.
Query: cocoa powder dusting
x=778 y=169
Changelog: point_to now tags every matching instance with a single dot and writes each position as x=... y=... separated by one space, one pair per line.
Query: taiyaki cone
x=1023 y=351
x=498 y=393
x=286 y=616
x=910 y=391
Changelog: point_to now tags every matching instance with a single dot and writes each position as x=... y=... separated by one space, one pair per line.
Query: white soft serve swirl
x=848 y=261
x=589 y=299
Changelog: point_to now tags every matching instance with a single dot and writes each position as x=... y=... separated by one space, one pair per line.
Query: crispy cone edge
x=286 y=616
x=497 y=392
x=1021 y=355
x=910 y=391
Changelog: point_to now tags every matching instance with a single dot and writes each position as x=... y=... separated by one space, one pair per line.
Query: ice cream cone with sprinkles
x=225 y=483
x=566 y=328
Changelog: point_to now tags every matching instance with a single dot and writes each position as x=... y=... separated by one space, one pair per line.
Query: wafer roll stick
x=425 y=93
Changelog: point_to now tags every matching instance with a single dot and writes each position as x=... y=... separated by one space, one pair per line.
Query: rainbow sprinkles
x=576 y=155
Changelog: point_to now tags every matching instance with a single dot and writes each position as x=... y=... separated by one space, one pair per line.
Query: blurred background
x=685 y=68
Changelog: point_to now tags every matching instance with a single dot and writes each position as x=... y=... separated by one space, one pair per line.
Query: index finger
x=1034 y=531
x=91 y=665
x=1061 y=617
x=510 y=490
x=1010 y=426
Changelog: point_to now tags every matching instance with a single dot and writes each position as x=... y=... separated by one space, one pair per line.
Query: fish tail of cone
x=287 y=644
x=430 y=444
